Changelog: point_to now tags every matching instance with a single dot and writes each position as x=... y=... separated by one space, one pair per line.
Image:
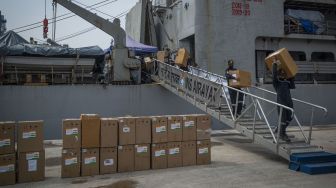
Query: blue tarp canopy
x=137 y=47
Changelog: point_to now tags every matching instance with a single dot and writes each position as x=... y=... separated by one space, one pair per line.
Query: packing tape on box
x=5 y=142
x=7 y=168
x=70 y=161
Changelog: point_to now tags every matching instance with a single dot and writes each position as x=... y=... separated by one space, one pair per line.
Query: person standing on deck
x=233 y=93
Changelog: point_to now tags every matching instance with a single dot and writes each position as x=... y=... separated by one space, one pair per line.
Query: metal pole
x=279 y=128
x=236 y=105
x=254 y=121
x=311 y=125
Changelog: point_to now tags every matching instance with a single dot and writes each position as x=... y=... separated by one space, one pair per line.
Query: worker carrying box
x=287 y=64
x=242 y=79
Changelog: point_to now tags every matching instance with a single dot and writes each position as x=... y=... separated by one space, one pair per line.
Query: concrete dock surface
x=236 y=162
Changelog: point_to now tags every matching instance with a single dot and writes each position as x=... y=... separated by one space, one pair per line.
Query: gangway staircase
x=210 y=93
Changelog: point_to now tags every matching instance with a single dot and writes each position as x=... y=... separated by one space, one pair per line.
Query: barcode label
x=30 y=134
x=174 y=126
x=4 y=142
x=189 y=124
x=70 y=161
x=160 y=129
x=159 y=153
x=73 y=131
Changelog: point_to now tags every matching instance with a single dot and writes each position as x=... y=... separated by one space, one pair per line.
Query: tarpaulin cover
x=311 y=21
x=13 y=44
x=137 y=47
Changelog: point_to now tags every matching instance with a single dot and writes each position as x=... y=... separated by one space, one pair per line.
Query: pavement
x=236 y=162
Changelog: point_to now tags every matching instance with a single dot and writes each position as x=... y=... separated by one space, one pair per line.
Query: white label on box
x=120 y=147
x=73 y=131
x=159 y=153
x=169 y=117
x=160 y=129
x=84 y=150
x=142 y=149
x=184 y=118
x=234 y=75
x=234 y=81
x=203 y=150
x=198 y=142
x=174 y=126
x=108 y=162
x=153 y=119
x=126 y=129
x=189 y=123
x=4 y=142
x=32 y=165
x=174 y=151
x=90 y=160
x=34 y=155
x=70 y=161
x=30 y=134
x=7 y=168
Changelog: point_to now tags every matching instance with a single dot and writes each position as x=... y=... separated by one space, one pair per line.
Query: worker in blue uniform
x=233 y=93
x=282 y=86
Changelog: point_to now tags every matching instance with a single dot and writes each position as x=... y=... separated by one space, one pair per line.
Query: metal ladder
x=254 y=122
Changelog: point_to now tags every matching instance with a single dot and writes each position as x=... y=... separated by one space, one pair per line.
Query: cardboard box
x=288 y=65
x=142 y=157
x=243 y=79
x=159 y=156
x=31 y=166
x=174 y=133
x=189 y=128
x=90 y=130
x=108 y=132
x=143 y=134
x=182 y=57
x=71 y=163
x=188 y=153
x=30 y=136
x=203 y=152
x=126 y=131
x=174 y=151
x=7 y=137
x=71 y=133
x=162 y=55
x=90 y=162
x=159 y=129
x=126 y=158
x=7 y=169
x=108 y=160
x=203 y=127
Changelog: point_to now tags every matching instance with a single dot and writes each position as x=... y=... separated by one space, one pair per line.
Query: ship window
x=298 y=56
x=323 y=56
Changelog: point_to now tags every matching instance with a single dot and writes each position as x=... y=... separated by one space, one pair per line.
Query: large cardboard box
x=126 y=131
x=31 y=166
x=203 y=152
x=7 y=169
x=161 y=56
x=143 y=134
x=174 y=133
x=126 y=158
x=30 y=136
x=174 y=152
x=71 y=163
x=90 y=162
x=90 y=130
x=108 y=160
x=203 y=127
x=159 y=129
x=243 y=79
x=288 y=65
x=71 y=133
x=189 y=128
x=182 y=57
x=142 y=157
x=159 y=156
x=188 y=153
x=7 y=137
x=108 y=132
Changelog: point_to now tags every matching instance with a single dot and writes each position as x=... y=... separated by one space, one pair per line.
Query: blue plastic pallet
x=313 y=163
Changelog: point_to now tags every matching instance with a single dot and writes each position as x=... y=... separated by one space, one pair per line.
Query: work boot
x=285 y=138
x=283 y=135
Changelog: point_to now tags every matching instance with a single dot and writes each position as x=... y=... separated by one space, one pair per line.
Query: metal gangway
x=259 y=117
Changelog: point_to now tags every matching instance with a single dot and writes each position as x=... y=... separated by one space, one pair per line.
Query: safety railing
x=202 y=74
x=313 y=107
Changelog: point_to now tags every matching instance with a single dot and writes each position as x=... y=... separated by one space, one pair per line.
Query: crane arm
x=111 y=28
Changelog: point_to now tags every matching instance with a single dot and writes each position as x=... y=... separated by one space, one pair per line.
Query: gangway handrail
x=297 y=100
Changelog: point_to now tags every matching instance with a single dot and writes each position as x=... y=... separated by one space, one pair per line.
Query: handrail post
x=279 y=128
x=311 y=125
x=254 y=122
x=236 y=105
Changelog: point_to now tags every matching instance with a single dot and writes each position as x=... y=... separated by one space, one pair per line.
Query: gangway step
x=313 y=162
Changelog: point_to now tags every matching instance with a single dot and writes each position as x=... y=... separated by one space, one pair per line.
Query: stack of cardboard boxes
x=7 y=153
x=125 y=144
x=28 y=163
